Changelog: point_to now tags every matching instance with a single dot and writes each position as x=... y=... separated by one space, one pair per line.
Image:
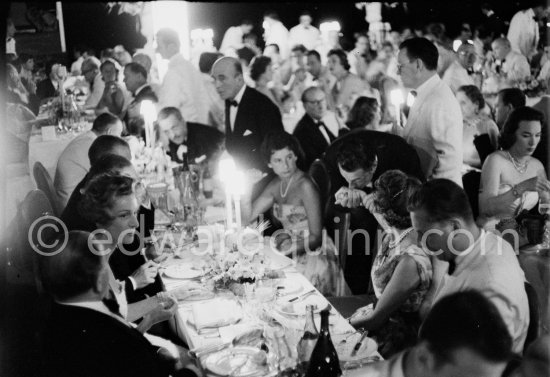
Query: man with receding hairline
x=249 y=115
x=512 y=64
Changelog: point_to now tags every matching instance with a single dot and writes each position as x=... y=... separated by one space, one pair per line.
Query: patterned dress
x=320 y=266
x=401 y=330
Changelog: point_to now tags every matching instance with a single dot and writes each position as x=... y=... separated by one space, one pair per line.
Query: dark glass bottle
x=309 y=339
x=324 y=359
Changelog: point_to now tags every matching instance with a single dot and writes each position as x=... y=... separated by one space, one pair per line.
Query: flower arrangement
x=237 y=267
x=532 y=87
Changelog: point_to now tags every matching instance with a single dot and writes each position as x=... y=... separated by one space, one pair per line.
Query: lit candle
x=149 y=113
x=238 y=185
x=396 y=98
x=227 y=172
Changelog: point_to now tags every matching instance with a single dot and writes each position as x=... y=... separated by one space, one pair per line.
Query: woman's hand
x=361 y=315
x=538 y=183
x=145 y=274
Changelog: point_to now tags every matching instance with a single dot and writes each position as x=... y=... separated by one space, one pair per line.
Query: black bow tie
x=452 y=267
x=232 y=102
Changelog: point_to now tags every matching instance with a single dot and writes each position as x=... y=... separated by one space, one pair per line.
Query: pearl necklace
x=521 y=168
x=283 y=194
x=401 y=237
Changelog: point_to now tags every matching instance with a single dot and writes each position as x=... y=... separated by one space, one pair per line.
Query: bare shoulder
x=306 y=184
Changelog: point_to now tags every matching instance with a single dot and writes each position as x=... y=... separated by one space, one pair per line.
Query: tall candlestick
x=396 y=98
x=228 y=208
x=226 y=171
x=238 y=211
x=149 y=113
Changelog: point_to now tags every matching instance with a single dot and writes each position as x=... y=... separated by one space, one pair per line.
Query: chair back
x=319 y=173
x=21 y=257
x=534 y=317
x=45 y=184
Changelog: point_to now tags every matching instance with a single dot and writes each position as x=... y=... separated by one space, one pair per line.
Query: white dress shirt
x=523 y=33
x=456 y=76
x=77 y=65
x=491 y=267
x=183 y=89
x=96 y=92
x=232 y=41
x=72 y=166
x=309 y=36
x=277 y=33
x=434 y=129
x=516 y=67
x=233 y=109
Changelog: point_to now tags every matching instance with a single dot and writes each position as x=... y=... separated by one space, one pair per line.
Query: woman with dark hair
x=480 y=133
x=348 y=86
x=295 y=201
x=113 y=96
x=401 y=273
x=261 y=72
x=511 y=179
x=109 y=201
x=365 y=114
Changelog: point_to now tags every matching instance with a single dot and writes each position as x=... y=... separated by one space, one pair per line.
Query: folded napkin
x=215 y=313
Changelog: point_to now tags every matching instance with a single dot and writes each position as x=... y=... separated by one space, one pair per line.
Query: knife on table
x=359 y=343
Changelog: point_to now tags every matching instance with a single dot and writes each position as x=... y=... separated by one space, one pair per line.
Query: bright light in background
x=202 y=37
x=328 y=26
x=171 y=14
x=457 y=43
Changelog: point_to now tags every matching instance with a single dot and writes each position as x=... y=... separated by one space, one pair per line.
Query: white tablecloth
x=339 y=326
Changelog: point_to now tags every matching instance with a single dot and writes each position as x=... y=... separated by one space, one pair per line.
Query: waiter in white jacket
x=434 y=125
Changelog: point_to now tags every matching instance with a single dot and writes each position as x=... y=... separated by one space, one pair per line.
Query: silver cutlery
x=359 y=343
x=302 y=296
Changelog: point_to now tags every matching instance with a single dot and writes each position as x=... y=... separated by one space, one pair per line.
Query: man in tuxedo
x=135 y=78
x=354 y=162
x=318 y=128
x=49 y=87
x=85 y=334
x=249 y=114
x=187 y=138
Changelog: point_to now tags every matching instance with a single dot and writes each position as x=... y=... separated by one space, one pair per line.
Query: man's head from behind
x=76 y=273
x=416 y=61
x=463 y=335
x=107 y=124
x=508 y=99
x=108 y=144
x=356 y=162
x=228 y=77
x=439 y=209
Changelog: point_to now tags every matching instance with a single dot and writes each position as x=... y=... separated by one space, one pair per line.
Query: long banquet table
x=339 y=326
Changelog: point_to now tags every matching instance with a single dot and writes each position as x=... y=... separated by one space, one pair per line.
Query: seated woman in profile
x=110 y=202
x=296 y=203
x=113 y=96
x=401 y=273
x=364 y=115
x=480 y=134
x=261 y=72
x=511 y=179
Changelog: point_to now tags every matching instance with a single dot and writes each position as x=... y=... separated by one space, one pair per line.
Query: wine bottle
x=309 y=339
x=324 y=359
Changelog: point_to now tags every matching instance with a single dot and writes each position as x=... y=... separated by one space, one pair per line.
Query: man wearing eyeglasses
x=318 y=128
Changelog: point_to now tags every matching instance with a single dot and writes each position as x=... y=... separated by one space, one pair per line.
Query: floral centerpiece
x=533 y=87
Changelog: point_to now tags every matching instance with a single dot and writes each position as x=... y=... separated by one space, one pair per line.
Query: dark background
x=90 y=23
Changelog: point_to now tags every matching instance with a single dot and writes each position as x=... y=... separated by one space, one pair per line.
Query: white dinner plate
x=239 y=361
x=183 y=271
x=345 y=349
x=299 y=308
x=289 y=287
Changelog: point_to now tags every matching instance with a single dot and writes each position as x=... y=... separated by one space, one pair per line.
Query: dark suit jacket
x=256 y=116
x=45 y=89
x=392 y=152
x=122 y=265
x=135 y=125
x=311 y=139
x=201 y=140
x=86 y=343
x=541 y=152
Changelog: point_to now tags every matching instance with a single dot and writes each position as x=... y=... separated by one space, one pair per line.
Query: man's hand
x=166 y=309
x=350 y=198
x=145 y=274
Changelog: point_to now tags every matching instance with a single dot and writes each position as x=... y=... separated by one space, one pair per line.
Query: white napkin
x=215 y=313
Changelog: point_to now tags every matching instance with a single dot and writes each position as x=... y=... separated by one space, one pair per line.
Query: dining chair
x=45 y=183
x=319 y=173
